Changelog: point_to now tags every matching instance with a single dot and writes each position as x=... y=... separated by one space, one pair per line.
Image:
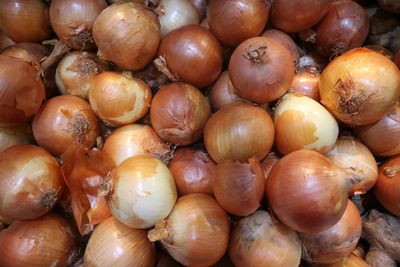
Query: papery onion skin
x=179 y=113
x=199 y=240
x=344 y=27
x=233 y=21
x=31 y=53
x=144 y=192
x=72 y=21
x=25 y=21
x=21 y=91
x=360 y=86
x=336 y=242
x=261 y=69
x=223 y=93
x=12 y=135
x=136 y=139
x=238 y=132
x=306 y=82
x=5 y=40
x=307 y=191
x=64 y=120
x=45 y=241
x=268 y=162
x=190 y=48
x=115 y=244
x=119 y=99
x=296 y=16
x=193 y=171
x=284 y=39
x=261 y=240
x=303 y=123
x=388 y=185
x=128 y=34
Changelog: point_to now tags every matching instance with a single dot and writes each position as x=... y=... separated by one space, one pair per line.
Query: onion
x=174 y=14
x=119 y=99
x=360 y=86
x=239 y=187
x=45 y=241
x=285 y=40
x=349 y=261
x=223 y=93
x=392 y=6
x=190 y=54
x=388 y=185
x=238 y=132
x=307 y=191
x=303 y=123
x=306 y=82
x=115 y=244
x=5 y=41
x=335 y=243
x=21 y=91
x=383 y=136
x=193 y=171
x=128 y=34
x=201 y=7
x=311 y=60
x=76 y=72
x=201 y=239
x=143 y=192
x=260 y=240
x=380 y=49
x=234 y=21
x=72 y=21
x=25 y=21
x=30 y=182
x=179 y=113
x=31 y=53
x=261 y=69
x=268 y=162
x=356 y=159
x=296 y=16
x=65 y=120
x=344 y=27
x=15 y=135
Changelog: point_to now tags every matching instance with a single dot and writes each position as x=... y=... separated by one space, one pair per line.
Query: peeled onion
x=223 y=93
x=306 y=82
x=15 y=135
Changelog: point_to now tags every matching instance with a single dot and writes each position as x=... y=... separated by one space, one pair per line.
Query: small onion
x=268 y=162
x=360 y=86
x=15 y=135
x=201 y=238
x=5 y=41
x=25 y=21
x=349 y=261
x=303 y=123
x=119 y=99
x=193 y=171
x=285 y=40
x=223 y=93
x=239 y=187
x=336 y=242
x=31 y=53
x=115 y=244
x=261 y=69
x=306 y=82
x=356 y=159
x=72 y=21
x=76 y=72
x=64 y=120
x=128 y=34
x=174 y=14
x=45 y=241
x=234 y=21
x=238 y=132
x=143 y=192
x=179 y=113
x=260 y=240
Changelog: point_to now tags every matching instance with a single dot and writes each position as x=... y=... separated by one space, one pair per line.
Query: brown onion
x=344 y=27
x=64 y=120
x=307 y=191
x=31 y=53
x=201 y=239
x=285 y=40
x=5 y=41
x=388 y=185
x=261 y=240
x=239 y=187
x=115 y=244
x=21 y=91
x=30 y=182
x=12 y=135
x=268 y=162
x=349 y=261
x=233 y=21
x=119 y=99
x=261 y=69
x=128 y=34
x=311 y=60
x=179 y=113
x=223 y=93
x=193 y=171
x=238 y=132
x=299 y=15
x=72 y=21
x=306 y=82
x=360 y=86
x=336 y=242
x=190 y=54
x=25 y=21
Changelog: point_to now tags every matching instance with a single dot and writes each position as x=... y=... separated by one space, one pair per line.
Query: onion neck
x=161 y=65
x=159 y=232
x=257 y=54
